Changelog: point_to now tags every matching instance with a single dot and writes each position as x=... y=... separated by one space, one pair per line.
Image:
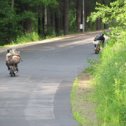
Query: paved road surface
x=40 y=93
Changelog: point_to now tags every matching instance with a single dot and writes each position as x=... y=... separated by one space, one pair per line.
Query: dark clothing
x=100 y=37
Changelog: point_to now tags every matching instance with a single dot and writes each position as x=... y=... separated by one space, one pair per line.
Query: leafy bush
x=27 y=38
x=110 y=82
x=110 y=73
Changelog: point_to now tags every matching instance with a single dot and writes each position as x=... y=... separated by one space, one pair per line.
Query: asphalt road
x=40 y=93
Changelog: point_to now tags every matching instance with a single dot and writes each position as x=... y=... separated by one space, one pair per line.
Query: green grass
x=29 y=37
x=110 y=84
x=109 y=81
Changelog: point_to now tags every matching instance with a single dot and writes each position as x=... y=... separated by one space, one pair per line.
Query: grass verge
x=83 y=106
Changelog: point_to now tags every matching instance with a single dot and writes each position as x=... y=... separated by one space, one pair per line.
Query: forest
x=38 y=19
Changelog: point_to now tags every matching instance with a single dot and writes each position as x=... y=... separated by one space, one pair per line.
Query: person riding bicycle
x=100 y=37
x=12 y=58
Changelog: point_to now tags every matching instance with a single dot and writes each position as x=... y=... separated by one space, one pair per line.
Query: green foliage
x=19 y=19
x=28 y=37
x=109 y=74
x=110 y=82
x=93 y=65
x=72 y=20
x=8 y=29
x=113 y=15
x=44 y=2
x=80 y=118
x=27 y=15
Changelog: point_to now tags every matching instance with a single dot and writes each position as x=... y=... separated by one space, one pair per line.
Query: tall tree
x=8 y=24
x=66 y=16
x=78 y=13
x=42 y=10
x=12 y=4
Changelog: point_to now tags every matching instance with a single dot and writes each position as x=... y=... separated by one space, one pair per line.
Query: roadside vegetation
x=110 y=84
x=83 y=107
x=108 y=73
x=29 y=37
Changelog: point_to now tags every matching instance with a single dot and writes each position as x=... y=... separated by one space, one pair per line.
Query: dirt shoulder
x=83 y=106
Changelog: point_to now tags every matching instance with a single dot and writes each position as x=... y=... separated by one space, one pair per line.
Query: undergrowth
x=110 y=83
x=26 y=38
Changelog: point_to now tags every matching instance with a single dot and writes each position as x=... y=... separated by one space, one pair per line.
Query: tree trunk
x=39 y=25
x=83 y=15
x=26 y=22
x=45 y=20
x=41 y=21
x=57 y=25
x=65 y=15
x=12 y=4
x=78 y=14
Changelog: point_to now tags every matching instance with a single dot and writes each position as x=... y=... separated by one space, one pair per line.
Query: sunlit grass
x=109 y=81
x=110 y=84
x=29 y=37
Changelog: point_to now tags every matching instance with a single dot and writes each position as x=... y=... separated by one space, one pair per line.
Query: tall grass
x=110 y=83
x=29 y=37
